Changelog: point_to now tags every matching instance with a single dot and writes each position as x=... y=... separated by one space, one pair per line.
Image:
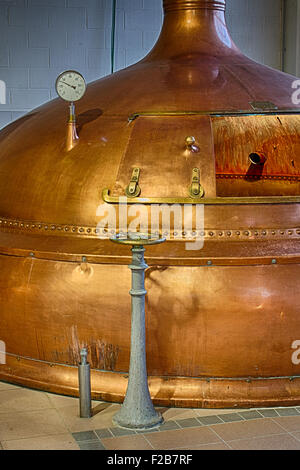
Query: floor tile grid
x=217 y=435
x=259 y=414
x=177 y=425
x=234 y=441
x=41 y=399
x=40 y=404
x=244 y=416
x=288 y=439
x=290 y=433
x=115 y=432
x=284 y=433
x=194 y=422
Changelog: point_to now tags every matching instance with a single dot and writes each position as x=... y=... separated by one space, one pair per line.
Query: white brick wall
x=41 y=38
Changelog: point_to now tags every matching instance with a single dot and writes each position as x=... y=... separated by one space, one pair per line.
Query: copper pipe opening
x=257 y=158
x=173 y=5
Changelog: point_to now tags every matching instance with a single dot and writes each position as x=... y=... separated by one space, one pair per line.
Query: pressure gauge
x=70 y=86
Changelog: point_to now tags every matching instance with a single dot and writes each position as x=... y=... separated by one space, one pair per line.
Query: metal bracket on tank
x=133 y=189
x=196 y=190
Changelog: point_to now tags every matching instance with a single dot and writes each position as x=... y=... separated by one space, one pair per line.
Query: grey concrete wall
x=292 y=37
x=41 y=38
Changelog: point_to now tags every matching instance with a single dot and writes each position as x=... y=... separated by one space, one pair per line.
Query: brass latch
x=196 y=190
x=133 y=189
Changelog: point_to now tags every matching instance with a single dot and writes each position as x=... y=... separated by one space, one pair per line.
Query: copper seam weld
x=25 y=358
x=216 y=114
x=17 y=356
x=77 y=260
x=270 y=260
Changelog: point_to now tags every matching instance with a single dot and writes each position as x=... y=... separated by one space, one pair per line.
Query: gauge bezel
x=65 y=73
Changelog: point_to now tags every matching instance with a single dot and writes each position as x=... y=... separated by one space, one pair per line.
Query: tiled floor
x=39 y=421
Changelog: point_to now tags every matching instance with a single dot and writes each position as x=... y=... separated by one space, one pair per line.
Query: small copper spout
x=72 y=137
x=255 y=171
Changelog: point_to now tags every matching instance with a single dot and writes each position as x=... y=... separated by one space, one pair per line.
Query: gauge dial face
x=70 y=86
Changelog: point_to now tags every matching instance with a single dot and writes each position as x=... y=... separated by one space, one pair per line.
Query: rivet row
x=209 y=234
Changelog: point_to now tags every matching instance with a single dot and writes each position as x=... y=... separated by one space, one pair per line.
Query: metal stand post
x=84 y=377
x=137 y=411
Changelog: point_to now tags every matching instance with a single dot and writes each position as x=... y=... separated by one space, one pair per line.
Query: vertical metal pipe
x=84 y=378
x=72 y=136
x=113 y=35
x=282 y=33
x=137 y=411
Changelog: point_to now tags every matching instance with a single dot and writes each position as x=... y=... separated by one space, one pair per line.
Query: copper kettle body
x=206 y=127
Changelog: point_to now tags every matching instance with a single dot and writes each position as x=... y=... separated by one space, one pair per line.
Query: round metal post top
x=137 y=239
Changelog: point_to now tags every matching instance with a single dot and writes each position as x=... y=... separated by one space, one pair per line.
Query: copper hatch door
x=274 y=139
x=172 y=157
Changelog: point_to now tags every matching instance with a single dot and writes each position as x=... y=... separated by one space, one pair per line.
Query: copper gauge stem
x=72 y=137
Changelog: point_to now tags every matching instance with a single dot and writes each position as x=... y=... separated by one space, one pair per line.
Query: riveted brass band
x=291 y=178
x=102 y=232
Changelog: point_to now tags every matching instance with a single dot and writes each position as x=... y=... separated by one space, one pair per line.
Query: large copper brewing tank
x=221 y=321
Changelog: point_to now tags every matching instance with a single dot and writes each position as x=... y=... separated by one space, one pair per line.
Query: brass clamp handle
x=137 y=239
x=196 y=190
x=133 y=189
